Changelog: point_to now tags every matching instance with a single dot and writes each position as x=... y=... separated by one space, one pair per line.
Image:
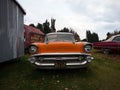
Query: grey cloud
x=102 y=16
x=91 y=9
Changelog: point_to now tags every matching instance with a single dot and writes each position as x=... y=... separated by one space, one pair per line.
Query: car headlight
x=89 y=58
x=88 y=48
x=32 y=59
x=33 y=49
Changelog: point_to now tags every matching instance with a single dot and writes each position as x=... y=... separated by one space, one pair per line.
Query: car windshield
x=114 y=38
x=60 y=37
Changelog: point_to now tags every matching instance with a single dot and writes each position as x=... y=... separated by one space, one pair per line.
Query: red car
x=110 y=45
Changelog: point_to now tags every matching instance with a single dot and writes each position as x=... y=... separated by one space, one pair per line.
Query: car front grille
x=61 y=58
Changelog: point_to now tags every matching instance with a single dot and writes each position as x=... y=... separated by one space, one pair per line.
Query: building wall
x=11 y=30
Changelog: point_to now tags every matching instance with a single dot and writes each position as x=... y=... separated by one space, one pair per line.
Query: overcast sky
x=100 y=16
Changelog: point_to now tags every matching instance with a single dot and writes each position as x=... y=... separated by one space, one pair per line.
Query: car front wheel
x=106 y=51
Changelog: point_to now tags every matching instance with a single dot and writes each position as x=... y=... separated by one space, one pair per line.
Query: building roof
x=20 y=6
x=32 y=29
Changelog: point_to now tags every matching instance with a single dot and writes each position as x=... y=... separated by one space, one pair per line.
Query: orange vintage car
x=60 y=51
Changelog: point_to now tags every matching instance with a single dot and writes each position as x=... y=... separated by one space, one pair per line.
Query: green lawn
x=102 y=74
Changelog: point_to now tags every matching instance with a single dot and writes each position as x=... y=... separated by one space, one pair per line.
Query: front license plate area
x=60 y=65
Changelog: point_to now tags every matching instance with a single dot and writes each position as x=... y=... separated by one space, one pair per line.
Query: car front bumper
x=60 y=60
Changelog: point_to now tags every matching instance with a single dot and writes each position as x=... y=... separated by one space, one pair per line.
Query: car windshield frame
x=117 y=39
x=59 y=38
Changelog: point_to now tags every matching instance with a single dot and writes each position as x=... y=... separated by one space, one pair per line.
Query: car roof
x=111 y=38
x=60 y=33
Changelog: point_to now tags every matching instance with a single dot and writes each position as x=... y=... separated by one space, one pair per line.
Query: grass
x=102 y=74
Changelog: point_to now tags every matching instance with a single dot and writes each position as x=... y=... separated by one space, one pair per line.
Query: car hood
x=60 y=47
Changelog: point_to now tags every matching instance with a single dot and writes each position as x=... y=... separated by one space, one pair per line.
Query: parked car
x=110 y=45
x=60 y=51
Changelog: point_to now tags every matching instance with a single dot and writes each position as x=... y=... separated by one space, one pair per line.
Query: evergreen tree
x=64 y=30
x=46 y=27
x=89 y=36
x=95 y=37
x=32 y=25
x=53 y=25
x=92 y=37
x=40 y=26
x=108 y=35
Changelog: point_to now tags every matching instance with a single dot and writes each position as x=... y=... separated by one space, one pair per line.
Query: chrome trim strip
x=61 y=58
x=72 y=64
x=53 y=64
x=61 y=54
x=44 y=64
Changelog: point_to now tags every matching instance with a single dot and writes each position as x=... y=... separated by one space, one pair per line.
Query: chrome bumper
x=53 y=64
x=52 y=61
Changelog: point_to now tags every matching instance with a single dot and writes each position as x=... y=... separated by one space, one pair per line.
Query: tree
x=92 y=37
x=53 y=25
x=112 y=33
x=77 y=38
x=89 y=36
x=108 y=35
x=46 y=28
x=40 y=26
x=95 y=37
x=32 y=25
x=64 y=30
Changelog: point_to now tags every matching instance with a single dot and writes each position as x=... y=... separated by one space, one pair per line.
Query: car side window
x=117 y=39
